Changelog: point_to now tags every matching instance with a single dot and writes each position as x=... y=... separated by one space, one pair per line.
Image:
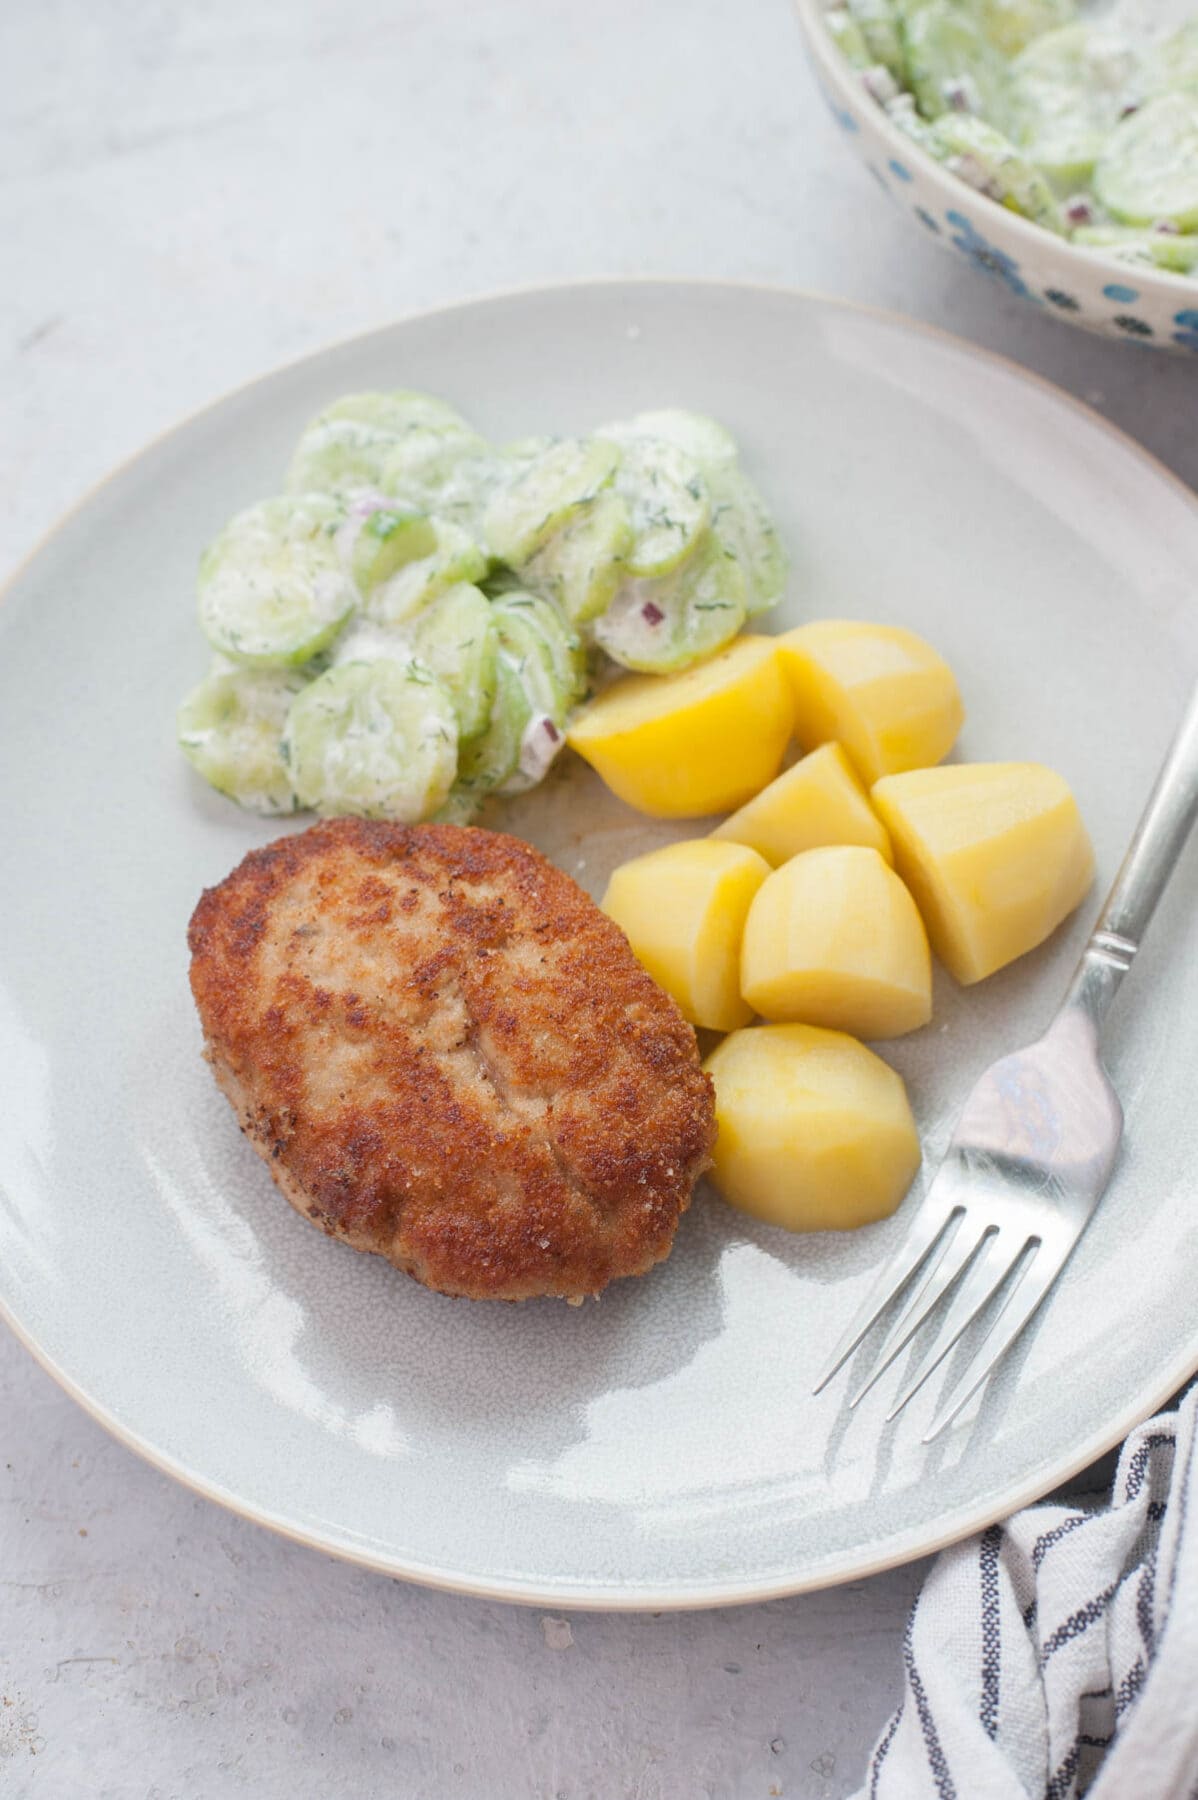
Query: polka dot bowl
x=1099 y=293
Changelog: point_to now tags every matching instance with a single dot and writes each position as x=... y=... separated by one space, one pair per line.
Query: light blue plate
x=660 y=1448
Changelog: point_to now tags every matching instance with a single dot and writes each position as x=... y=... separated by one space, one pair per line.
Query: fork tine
x=998 y=1257
x=960 y=1252
x=926 y=1228
x=939 y=1279
x=1039 y=1272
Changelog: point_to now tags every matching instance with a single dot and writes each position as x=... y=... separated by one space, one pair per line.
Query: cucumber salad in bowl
x=1080 y=118
x=407 y=628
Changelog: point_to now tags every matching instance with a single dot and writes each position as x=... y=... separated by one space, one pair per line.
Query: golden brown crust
x=448 y=1056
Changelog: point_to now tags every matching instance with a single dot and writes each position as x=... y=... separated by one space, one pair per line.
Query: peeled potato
x=834 y=938
x=877 y=689
x=818 y=801
x=701 y=741
x=815 y=1131
x=683 y=910
x=996 y=855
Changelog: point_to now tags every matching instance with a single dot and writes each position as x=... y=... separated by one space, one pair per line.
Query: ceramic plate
x=659 y=1448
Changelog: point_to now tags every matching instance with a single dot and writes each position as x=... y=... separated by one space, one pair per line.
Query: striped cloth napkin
x=1057 y=1655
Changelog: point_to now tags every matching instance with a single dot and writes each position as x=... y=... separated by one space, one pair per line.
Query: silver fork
x=1035 y=1144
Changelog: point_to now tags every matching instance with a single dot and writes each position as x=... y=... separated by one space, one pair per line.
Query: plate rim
x=845 y=1566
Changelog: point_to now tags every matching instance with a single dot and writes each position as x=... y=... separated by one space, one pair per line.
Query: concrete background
x=188 y=196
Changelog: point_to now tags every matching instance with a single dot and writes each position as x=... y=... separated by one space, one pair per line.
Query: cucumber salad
x=1084 y=121
x=406 y=630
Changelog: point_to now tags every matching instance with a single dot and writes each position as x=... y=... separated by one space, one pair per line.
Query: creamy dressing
x=390 y=685
x=361 y=507
x=271 y=587
x=374 y=736
x=1143 y=20
x=364 y=641
x=404 y=594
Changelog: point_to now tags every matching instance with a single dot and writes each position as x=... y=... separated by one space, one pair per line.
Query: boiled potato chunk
x=701 y=741
x=818 y=801
x=996 y=855
x=815 y=1131
x=877 y=689
x=683 y=910
x=834 y=938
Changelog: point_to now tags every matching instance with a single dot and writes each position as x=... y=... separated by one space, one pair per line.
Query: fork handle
x=1151 y=859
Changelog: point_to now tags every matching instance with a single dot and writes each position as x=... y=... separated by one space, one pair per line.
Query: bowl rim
x=1163 y=283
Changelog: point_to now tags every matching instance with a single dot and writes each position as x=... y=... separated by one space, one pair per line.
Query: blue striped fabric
x=1056 y=1656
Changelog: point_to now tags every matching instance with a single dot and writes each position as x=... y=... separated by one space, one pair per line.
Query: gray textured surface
x=185 y=201
x=152 y=1647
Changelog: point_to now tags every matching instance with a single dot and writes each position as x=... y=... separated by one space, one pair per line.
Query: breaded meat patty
x=448 y=1056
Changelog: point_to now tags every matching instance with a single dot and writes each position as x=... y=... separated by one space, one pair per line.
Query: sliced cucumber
x=384 y=539
x=363 y=641
x=1066 y=93
x=668 y=504
x=347 y=446
x=456 y=638
x=488 y=761
x=272 y=588
x=848 y=37
x=742 y=522
x=1175 y=250
x=1174 y=65
x=456 y=558
x=989 y=162
x=879 y=27
x=562 y=642
x=1149 y=169
x=230 y=730
x=453 y=476
x=460 y=807
x=950 y=65
x=1010 y=25
x=657 y=626
x=339 y=456
x=419 y=454
x=521 y=453
x=547 y=653
x=526 y=653
x=400 y=411
x=580 y=567
x=903 y=112
x=523 y=514
x=701 y=439
x=1127 y=242
x=378 y=739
